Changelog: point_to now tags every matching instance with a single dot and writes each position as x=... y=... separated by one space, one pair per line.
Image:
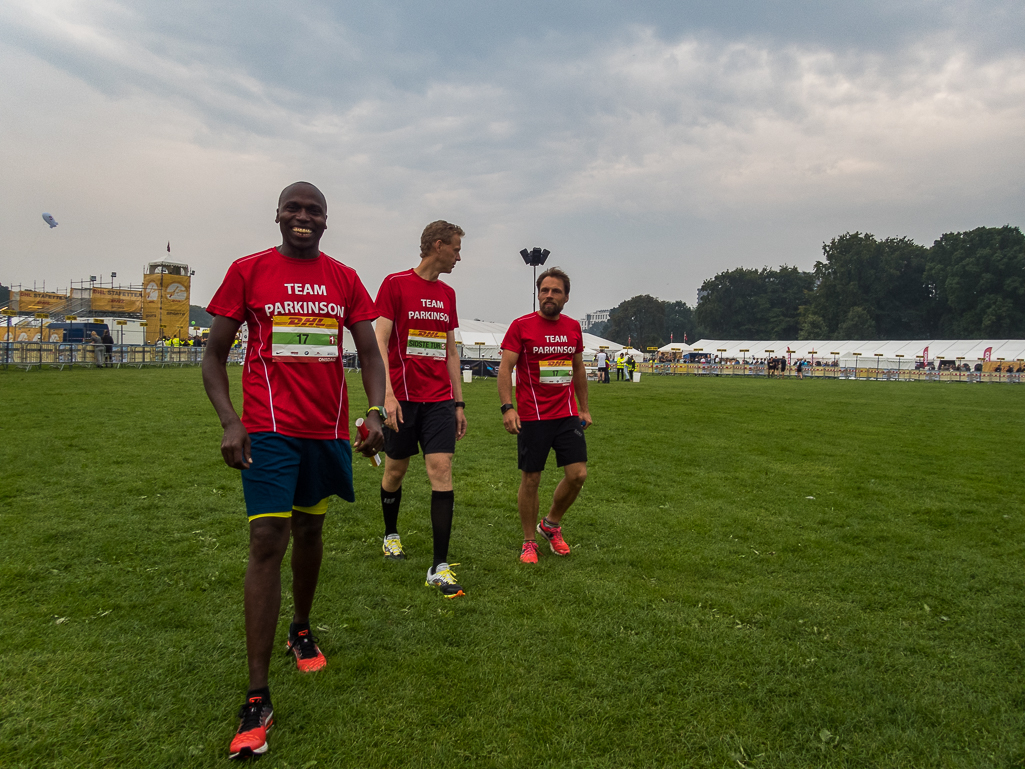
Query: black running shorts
x=429 y=426
x=536 y=439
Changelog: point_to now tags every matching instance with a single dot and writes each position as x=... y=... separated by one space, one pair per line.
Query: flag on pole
x=925 y=356
x=685 y=337
x=168 y=246
x=986 y=355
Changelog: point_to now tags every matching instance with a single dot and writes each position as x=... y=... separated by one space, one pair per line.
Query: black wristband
x=507 y=407
x=460 y=405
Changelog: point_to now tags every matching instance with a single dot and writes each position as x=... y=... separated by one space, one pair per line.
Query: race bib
x=426 y=344
x=299 y=338
x=556 y=372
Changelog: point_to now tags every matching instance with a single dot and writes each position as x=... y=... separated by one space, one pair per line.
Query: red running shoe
x=529 y=552
x=255 y=719
x=554 y=536
x=308 y=657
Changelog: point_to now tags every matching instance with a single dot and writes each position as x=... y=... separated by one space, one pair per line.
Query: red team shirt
x=544 y=371
x=423 y=312
x=293 y=381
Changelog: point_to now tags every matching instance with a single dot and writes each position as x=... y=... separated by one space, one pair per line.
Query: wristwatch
x=507 y=407
x=380 y=410
x=460 y=405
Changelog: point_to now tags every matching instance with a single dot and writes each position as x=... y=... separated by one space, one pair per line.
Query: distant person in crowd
x=546 y=348
x=292 y=442
x=602 y=363
x=97 y=344
x=108 y=348
x=620 y=366
x=423 y=399
x=631 y=367
x=800 y=369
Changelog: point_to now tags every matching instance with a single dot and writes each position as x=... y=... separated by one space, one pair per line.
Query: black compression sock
x=442 y=505
x=390 y=501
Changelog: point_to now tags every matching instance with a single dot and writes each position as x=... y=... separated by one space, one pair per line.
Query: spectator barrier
x=829 y=372
x=29 y=355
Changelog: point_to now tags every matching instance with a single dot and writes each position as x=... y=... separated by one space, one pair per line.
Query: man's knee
x=530 y=481
x=307 y=529
x=576 y=474
x=394 y=472
x=439 y=471
x=268 y=539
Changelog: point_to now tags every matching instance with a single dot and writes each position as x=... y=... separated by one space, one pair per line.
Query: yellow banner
x=165 y=303
x=31 y=333
x=35 y=301
x=115 y=300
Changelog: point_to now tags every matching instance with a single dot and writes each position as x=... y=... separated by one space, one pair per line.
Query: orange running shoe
x=529 y=552
x=255 y=719
x=554 y=536
x=308 y=657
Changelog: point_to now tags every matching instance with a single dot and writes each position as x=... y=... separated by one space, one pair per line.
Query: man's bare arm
x=373 y=372
x=510 y=418
x=235 y=444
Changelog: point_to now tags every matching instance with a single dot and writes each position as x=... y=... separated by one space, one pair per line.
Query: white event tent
x=679 y=347
x=865 y=354
x=483 y=339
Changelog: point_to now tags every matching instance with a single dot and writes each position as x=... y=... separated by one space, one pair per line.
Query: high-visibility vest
x=620 y=362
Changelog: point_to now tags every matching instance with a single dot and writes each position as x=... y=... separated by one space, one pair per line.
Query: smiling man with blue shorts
x=292 y=442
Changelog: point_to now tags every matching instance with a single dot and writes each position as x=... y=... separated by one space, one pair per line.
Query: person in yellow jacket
x=631 y=367
x=620 y=366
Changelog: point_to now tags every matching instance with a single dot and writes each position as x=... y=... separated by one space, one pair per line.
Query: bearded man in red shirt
x=546 y=349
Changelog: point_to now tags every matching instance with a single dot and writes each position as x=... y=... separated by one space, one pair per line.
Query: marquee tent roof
x=489 y=335
x=679 y=347
x=889 y=353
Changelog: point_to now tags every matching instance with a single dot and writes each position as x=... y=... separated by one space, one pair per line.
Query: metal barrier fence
x=60 y=355
x=830 y=372
x=29 y=355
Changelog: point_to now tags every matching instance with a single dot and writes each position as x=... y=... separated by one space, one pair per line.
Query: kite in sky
x=48 y=218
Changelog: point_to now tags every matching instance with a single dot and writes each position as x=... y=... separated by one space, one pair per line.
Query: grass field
x=764 y=574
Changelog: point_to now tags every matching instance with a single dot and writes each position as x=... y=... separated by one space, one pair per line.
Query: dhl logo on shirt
x=305 y=321
x=555 y=372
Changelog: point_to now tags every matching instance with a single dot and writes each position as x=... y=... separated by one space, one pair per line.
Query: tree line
x=967 y=285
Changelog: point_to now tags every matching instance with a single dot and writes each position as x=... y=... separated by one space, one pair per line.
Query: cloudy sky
x=647 y=145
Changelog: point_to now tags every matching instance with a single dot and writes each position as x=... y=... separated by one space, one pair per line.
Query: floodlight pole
x=533 y=258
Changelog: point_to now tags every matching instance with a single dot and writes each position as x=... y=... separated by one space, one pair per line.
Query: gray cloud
x=648 y=146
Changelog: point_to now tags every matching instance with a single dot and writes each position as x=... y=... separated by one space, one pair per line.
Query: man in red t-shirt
x=546 y=349
x=292 y=442
x=423 y=396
